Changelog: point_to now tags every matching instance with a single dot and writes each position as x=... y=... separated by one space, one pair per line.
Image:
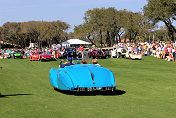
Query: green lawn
x=150 y=86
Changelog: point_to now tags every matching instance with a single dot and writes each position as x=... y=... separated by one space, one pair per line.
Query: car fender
x=53 y=77
x=64 y=81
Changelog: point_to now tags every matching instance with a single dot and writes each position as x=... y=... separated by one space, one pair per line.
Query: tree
x=162 y=10
x=43 y=33
x=94 y=20
x=84 y=32
x=103 y=26
x=135 y=25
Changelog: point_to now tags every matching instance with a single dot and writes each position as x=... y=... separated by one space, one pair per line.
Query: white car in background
x=130 y=55
x=121 y=52
x=136 y=56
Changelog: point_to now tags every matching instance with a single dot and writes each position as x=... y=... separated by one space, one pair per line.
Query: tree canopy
x=101 y=26
x=106 y=26
x=162 y=10
x=41 y=32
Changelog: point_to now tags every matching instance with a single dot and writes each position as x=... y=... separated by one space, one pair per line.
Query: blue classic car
x=80 y=77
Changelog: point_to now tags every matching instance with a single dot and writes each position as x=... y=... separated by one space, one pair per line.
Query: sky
x=70 y=11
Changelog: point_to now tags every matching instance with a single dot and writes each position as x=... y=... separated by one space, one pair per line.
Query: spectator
x=22 y=53
x=84 y=61
x=1 y=56
x=166 y=52
x=163 y=52
x=169 y=58
x=81 y=50
x=95 y=62
x=69 y=63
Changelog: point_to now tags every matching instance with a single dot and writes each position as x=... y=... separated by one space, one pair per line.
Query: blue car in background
x=71 y=52
x=80 y=77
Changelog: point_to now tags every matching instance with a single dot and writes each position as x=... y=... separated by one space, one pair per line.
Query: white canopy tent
x=65 y=44
x=77 y=42
x=74 y=42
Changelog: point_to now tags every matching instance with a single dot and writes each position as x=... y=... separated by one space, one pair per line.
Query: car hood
x=90 y=76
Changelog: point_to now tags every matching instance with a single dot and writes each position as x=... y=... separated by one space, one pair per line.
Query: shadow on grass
x=92 y=93
x=5 y=96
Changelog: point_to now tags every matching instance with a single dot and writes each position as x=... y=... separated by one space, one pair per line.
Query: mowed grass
x=150 y=86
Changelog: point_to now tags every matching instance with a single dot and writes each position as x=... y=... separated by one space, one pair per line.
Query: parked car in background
x=97 y=54
x=108 y=51
x=136 y=56
x=128 y=55
x=17 y=54
x=121 y=52
x=35 y=56
x=46 y=57
x=131 y=55
x=71 y=52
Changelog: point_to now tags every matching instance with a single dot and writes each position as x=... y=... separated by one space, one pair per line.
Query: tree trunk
x=101 y=38
x=88 y=37
x=171 y=30
x=108 y=42
x=119 y=35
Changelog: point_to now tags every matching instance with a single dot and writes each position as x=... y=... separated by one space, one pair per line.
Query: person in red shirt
x=81 y=50
x=50 y=51
x=166 y=52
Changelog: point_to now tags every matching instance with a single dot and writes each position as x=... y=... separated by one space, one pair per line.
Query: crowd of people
x=162 y=50
x=8 y=53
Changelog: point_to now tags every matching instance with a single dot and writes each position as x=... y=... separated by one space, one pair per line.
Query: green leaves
x=106 y=26
x=162 y=10
x=34 y=31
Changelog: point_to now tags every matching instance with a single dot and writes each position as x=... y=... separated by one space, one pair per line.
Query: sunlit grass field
x=150 y=86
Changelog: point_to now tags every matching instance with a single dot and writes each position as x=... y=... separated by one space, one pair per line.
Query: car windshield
x=77 y=61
